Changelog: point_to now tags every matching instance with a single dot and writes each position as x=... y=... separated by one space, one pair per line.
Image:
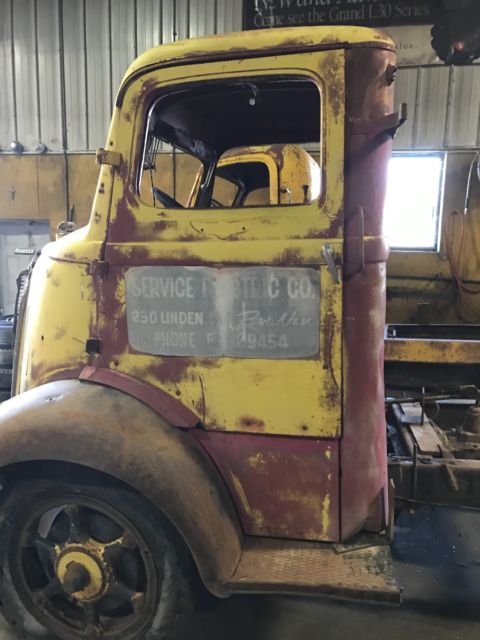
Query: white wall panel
x=168 y=21
x=99 y=90
x=49 y=79
x=75 y=78
x=464 y=114
x=432 y=107
x=182 y=19
x=7 y=94
x=25 y=76
x=406 y=91
x=148 y=24
x=202 y=18
x=123 y=34
x=229 y=16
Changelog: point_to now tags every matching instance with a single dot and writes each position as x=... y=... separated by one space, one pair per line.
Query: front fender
x=104 y=429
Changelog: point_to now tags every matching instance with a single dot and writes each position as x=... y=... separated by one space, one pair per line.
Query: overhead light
x=16 y=147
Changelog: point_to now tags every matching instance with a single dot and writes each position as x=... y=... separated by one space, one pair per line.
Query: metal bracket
x=112 y=158
x=384 y=125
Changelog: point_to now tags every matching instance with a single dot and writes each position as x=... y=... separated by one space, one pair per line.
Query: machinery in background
x=432 y=374
x=434 y=448
x=456 y=33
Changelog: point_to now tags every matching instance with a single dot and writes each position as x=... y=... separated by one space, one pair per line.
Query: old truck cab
x=199 y=384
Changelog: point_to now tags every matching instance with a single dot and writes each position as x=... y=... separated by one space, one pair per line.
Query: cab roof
x=248 y=44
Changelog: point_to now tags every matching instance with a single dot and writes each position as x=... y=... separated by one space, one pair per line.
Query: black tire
x=5 y=379
x=163 y=612
x=6 y=333
x=6 y=347
x=6 y=357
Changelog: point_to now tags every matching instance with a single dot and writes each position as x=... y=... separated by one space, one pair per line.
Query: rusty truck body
x=200 y=388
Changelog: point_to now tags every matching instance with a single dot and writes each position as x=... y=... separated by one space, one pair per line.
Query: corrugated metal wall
x=443 y=107
x=62 y=61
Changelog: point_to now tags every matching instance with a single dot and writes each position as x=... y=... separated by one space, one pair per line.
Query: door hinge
x=112 y=158
x=98 y=268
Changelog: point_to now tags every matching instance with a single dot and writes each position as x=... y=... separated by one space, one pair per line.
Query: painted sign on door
x=252 y=312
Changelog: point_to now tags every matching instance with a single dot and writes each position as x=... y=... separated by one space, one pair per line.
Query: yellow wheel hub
x=80 y=574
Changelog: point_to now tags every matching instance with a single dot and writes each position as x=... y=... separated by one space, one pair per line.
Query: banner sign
x=263 y=14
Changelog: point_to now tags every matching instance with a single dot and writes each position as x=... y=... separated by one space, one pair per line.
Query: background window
x=412 y=205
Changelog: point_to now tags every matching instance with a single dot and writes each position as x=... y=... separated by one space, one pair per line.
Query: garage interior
x=63 y=62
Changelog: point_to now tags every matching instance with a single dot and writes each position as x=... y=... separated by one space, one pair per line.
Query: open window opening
x=239 y=182
x=239 y=142
x=413 y=202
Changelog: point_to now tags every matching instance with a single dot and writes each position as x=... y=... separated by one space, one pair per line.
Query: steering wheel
x=165 y=199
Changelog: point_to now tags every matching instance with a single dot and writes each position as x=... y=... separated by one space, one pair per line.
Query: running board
x=354 y=572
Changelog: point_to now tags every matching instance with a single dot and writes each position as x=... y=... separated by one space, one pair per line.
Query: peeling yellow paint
x=47 y=347
x=298 y=397
x=326 y=513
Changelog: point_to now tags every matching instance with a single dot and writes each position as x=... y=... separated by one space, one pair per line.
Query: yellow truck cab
x=199 y=385
x=264 y=175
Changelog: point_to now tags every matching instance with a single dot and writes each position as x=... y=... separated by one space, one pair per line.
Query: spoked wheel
x=85 y=562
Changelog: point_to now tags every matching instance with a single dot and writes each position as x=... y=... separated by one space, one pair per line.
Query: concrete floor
x=437 y=556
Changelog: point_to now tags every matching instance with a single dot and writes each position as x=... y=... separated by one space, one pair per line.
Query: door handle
x=327 y=254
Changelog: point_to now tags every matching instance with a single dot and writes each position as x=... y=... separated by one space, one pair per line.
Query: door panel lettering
x=251 y=312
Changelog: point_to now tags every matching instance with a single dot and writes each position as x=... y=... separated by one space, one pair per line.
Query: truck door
x=236 y=313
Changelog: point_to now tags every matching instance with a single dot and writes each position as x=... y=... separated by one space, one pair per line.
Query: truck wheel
x=6 y=357
x=82 y=562
x=6 y=332
x=5 y=379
